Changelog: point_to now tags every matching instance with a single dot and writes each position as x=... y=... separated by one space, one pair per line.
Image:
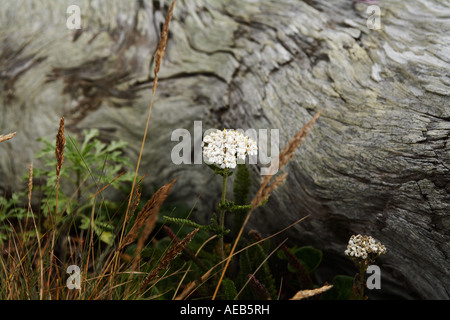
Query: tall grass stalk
x=158 y=58
x=59 y=153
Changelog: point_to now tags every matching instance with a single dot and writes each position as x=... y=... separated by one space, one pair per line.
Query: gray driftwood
x=377 y=162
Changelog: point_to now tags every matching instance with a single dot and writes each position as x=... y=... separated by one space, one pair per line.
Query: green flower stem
x=361 y=284
x=224 y=188
x=362 y=270
x=222 y=215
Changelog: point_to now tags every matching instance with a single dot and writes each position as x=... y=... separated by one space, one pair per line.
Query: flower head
x=364 y=248
x=224 y=148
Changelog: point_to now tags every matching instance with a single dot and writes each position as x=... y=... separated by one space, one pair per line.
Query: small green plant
x=224 y=151
x=180 y=264
x=89 y=167
x=363 y=250
x=11 y=210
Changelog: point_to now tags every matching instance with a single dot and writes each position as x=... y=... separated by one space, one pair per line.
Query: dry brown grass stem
x=193 y=284
x=265 y=189
x=30 y=190
x=7 y=136
x=309 y=293
x=107 y=185
x=147 y=215
x=168 y=257
x=288 y=152
x=59 y=153
x=283 y=159
x=30 y=210
x=158 y=58
x=260 y=266
x=30 y=184
x=146 y=219
x=264 y=193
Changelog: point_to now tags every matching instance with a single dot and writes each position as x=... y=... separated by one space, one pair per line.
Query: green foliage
x=213 y=227
x=103 y=229
x=309 y=257
x=230 y=206
x=229 y=289
x=245 y=268
x=250 y=260
x=91 y=165
x=219 y=171
x=10 y=211
x=241 y=191
x=264 y=275
x=242 y=184
x=342 y=289
x=87 y=168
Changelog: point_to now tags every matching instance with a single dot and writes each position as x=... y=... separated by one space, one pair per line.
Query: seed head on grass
x=59 y=153
x=163 y=40
x=151 y=210
x=171 y=234
x=148 y=214
x=283 y=159
x=60 y=144
x=7 y=136
x=136 y=198
x=303 y=294
x=293 y=144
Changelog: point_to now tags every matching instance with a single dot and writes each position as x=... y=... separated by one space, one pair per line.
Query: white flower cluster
x=224 y=148
x=363 y=247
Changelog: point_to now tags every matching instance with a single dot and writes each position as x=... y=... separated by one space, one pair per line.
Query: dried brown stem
x=309 y=293
x=7 y=136
x=148 y=214
x=158 y=58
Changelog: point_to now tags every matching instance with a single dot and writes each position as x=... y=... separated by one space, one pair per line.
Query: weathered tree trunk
x=377 y=162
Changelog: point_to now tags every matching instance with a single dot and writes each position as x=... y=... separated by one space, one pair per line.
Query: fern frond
x=242 y=184
x=214 y=228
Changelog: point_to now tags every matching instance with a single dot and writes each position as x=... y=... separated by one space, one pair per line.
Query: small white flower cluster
x=363 y=247
x=224 y=148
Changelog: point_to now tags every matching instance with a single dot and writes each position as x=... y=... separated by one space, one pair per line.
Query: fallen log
x=377 y=162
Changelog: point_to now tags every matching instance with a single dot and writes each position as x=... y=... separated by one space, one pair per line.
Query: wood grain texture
x=377 y=162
